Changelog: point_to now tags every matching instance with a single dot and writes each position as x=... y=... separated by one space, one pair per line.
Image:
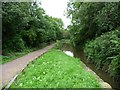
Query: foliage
x=25 y=24
x=66 y=34
x=55 y=69
x=60 y=44
x=96 y=23
x=108 y=18
x=12 y=56
x=114 y=67
x=104 y=51
x=90 y=20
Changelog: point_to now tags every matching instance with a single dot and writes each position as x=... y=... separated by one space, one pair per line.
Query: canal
x=102 y=74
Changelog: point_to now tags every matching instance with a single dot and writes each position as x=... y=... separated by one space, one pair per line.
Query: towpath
x=10 y=69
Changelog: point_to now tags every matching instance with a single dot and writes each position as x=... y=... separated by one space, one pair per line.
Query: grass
x=55 y=69
x=14 y=55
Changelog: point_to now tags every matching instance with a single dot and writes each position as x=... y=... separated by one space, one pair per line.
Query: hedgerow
x=104 y=52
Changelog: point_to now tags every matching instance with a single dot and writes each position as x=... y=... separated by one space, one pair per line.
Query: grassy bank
x=55 y=69
x=11 y=55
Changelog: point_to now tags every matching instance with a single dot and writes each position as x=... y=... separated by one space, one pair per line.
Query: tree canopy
x=25 y=24
x=90 y=20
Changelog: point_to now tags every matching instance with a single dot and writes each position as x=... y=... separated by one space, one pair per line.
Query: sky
x=56 y=8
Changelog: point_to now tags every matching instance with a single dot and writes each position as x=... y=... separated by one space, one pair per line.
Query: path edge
x=14 y=77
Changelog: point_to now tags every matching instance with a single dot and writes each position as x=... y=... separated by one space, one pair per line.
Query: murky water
x=80 y=54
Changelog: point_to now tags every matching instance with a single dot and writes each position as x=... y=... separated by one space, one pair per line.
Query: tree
x=26 y=25
x=90 y=20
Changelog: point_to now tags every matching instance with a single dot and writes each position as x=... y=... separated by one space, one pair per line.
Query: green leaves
x=108 y=17
x=104 y=51
x=55 y=69
x=90 y=24
x=29 y=22
x=114 y=67
x=90 y=20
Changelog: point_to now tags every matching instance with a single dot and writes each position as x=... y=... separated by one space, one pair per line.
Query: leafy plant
x=104 y=51
x=55 y=69
x=90 y=20
x=25 y=25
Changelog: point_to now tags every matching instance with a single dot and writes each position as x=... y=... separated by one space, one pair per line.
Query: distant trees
x=25 y=24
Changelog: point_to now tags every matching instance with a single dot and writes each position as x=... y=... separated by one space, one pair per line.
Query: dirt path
x=10 y=69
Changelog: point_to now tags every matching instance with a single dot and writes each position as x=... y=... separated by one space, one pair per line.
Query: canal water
x=102 y=74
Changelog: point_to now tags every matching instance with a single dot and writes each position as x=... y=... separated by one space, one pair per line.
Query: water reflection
x=69 y=53
x=80 y=54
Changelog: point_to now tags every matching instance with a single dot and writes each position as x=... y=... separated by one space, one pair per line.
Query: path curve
x=10 y=69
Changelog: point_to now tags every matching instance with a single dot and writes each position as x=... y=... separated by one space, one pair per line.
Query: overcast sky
x=56 y=8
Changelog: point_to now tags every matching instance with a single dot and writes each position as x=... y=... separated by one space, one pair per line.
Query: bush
x=104 y=51
x=14 y=44
x=114 y=67
x=60 y=44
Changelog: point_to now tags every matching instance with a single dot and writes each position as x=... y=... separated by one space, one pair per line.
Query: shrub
x=104 y=51
x=60 y=44
x=114 y=67
x=14 y=44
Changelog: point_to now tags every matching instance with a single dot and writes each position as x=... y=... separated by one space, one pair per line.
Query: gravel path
x=10 y=69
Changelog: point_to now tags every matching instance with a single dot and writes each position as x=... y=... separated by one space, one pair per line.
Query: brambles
x=104 y=51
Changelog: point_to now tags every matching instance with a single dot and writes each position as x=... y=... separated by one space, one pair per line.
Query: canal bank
x=105 y=77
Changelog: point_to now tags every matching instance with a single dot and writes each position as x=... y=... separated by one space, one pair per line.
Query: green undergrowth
x=60 y=44
x=54 y=69
x=11 y=55
x=104 y=52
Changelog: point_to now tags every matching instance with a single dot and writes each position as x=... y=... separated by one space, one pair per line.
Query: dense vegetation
x=25 y=25
x=95 y=26
x=104 y=52
x=90 y=20
x=55 y=69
